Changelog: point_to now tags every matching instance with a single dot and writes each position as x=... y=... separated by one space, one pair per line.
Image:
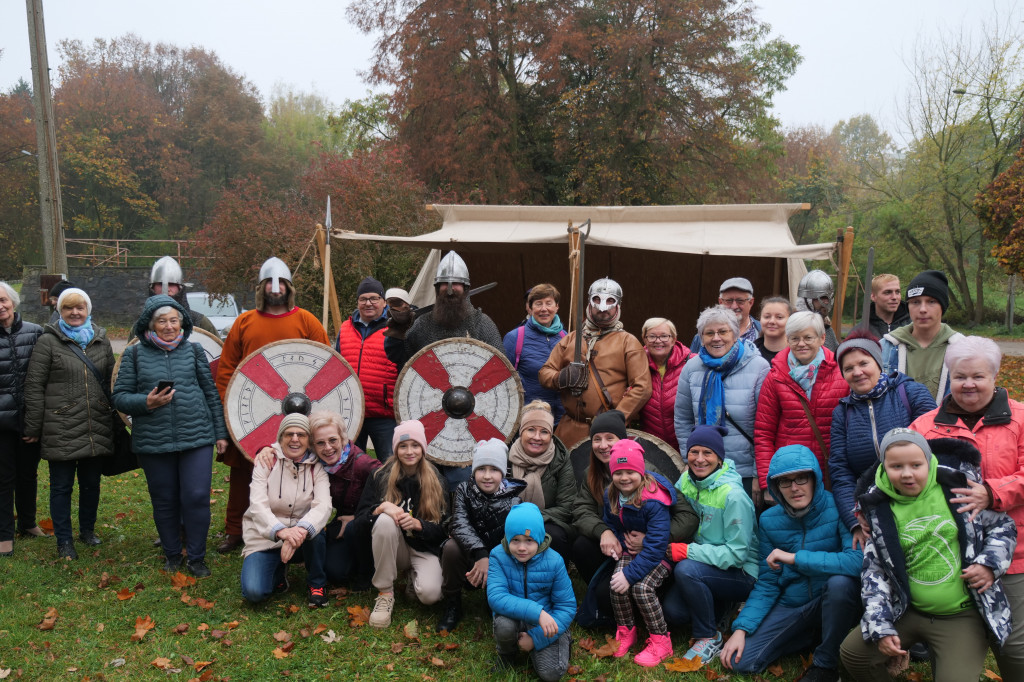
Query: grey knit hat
x=491 y=452
x=294 y=419
x=902 y=435
x=867 y=345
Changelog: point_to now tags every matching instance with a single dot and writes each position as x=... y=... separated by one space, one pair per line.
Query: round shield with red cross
x=289 y=373
x=211 y=344
x=659 y=456
x=462 y=391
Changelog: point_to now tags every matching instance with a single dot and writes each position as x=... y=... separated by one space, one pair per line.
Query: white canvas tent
x=669 y=259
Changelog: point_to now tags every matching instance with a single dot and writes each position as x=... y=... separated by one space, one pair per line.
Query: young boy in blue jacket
x=531 y=595
x=808 y=587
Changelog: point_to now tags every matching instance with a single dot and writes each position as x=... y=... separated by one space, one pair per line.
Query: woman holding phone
x=165 y=384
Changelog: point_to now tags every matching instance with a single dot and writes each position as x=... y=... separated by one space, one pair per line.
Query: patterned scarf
x=82 y=334
x=530 y=468
x=591 y=332
x=805 y=374
x=333 y=468
x=875 y=393
x=711 y=407
x=165 y=345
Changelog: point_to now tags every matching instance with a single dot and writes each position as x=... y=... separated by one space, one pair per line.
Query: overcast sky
x=853 y=51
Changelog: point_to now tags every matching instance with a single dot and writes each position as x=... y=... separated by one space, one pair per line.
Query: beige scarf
x=530 y=468
x=592 y=333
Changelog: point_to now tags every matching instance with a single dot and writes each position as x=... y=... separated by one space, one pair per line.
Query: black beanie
x=60 y=287
x=930 y=283
x=370 y=286
x=611 y=421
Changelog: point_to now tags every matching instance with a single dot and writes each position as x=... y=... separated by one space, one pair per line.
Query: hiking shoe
x=381 y=615
x=66 y=550
x=172 y=563
x=452 y=614
x=705 y=649
x=659 y=647
x=230 y=543
x=626 y=637
x=90 y=538
x=816 y=674
x=198 y=568
x=317 y=597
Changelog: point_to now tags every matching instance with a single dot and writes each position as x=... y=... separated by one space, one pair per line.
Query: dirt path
x=1011 y=347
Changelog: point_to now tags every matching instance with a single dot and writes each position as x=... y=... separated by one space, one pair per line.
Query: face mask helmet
x=607 y=292
x=816 y=286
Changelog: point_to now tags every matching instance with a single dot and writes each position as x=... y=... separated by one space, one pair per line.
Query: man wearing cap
x=736 y=294
x=361 y=342
x=617 y=375
x=166 y=277
x=276 y=318
x=918 y=349
x=888 y=310
x=453 y=316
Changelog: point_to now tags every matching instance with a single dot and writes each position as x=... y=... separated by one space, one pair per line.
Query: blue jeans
x=62 y=482
x=381 y=430
x=262 y=570
x=179 y=487
x=350 y=557
x=790 y=629
x=701 y=592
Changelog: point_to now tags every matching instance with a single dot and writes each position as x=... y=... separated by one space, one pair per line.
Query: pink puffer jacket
x=656 y=417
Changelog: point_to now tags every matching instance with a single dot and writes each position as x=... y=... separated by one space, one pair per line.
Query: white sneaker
x=381 y=615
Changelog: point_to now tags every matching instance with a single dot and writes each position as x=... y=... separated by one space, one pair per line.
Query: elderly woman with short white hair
x=720 y=387
x=978 y=411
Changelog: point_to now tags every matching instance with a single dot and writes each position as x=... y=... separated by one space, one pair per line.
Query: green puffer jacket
x=65 y=406
x=194 y=417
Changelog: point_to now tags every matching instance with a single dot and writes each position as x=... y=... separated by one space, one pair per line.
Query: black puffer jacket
x=65 y=406
x=431 y=537
x=478 y=518
x=15 y=350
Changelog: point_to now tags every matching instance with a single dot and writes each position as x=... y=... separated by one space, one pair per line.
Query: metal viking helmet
x=452 y=270
x=166 y=271
x=606 y=289
x=814 y=286
x=274 y=268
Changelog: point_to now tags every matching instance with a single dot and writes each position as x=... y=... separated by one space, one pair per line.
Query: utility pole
x=46 y=141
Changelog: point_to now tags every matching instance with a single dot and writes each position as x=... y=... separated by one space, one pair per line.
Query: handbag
x=123 y=458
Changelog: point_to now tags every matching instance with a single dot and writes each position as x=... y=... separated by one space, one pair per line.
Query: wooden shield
x=211 y=344
x=261 y=382
x=658 y=455
x=462 y=390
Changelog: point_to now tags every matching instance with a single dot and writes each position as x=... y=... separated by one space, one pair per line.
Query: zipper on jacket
x=803 y=545
x=874 y=428
x=526 y=589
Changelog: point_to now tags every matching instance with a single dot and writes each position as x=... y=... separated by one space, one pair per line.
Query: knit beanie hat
x=60 y=287
x=294 y=419
x=611 y=421
x=628 y=455
x=74 y=290
x=409 y=430
x=491 y=452
x=930 y=283
x=525 y=519
x=537 y=417
x=370 y=286
x=902 y=435
x=867 y=345
x=710 y=437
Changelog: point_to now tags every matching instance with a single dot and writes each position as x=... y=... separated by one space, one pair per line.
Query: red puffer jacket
x=999 y=436
x=656 y=417
x=781 y=419
x=377 y=374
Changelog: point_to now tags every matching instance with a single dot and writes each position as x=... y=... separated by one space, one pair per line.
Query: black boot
x=452 y=613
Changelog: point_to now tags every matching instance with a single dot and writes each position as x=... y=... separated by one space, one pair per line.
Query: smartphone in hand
x=164 y=386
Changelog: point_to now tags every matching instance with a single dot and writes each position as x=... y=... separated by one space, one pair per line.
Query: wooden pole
x=330 y=292
x=574 y=274
x=845 y=255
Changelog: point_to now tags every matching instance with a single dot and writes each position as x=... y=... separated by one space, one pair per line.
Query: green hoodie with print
x=925 y=364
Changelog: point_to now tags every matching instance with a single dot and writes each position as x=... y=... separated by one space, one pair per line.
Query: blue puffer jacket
x=522 y=590
x=742 y=387
x=654 y=517
x=818 y=538
x=858 y=426
x=536 y=348
x=194 y=417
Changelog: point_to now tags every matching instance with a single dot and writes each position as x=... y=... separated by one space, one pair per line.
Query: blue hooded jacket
x=520 y=591
x=815 y=534
x=654 y=518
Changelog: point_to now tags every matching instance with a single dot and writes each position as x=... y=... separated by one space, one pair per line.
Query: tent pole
x=845 y=254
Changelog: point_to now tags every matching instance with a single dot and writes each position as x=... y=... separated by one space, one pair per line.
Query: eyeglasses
x=712 y=333
x=737 y=301
x=369 y=299
x=806 y=340
x=659 y=338
x=799 y=479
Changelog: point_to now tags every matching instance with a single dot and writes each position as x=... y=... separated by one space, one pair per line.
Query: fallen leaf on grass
x=808 y=661
x=217 y=634
x=100 y=627
x=390 y=667
x=4 y=673
x=161 y=662
x=915 y=676
x=434 y=660
x=282 y=636
x=47 y=524
x=204 y=604
x=574 y=670
x=106 y=580
x=358 y=616
x=587 y=644
x=989 y=675
x=138 y=586
x=124 y=594
x=611 y=645
x=142 y=626
x=287 y=647
x=775 y=669
x=320 y=627
x=411 y=630
x=203 y=626
x=116 y=663
x=292 y=608
x=397 y=647
x=49 y=620
x=199 y=665
x=180 y=581
x=330 y=637
x=232 y=625
x=339 y=592
x=187 y=660
x=180 y=628
x=449 y=646
x=280 y=653
x=120 y=515
x=205 y=677
x=682 y=665
x=711 y=675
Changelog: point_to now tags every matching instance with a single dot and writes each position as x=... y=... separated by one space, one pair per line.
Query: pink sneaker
x=626 y=637
x=659 y=647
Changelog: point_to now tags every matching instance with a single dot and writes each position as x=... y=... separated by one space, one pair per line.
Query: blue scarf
x=555 y=328
x=711 y=407
x=333 y=469
x=805 y=374
x=874 y=394
x=81 y=335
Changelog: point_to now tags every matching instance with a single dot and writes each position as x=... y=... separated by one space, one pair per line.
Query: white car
x=222 y=310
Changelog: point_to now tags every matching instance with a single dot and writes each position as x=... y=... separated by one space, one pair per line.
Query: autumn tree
x=19 y=185
x=1000 y=207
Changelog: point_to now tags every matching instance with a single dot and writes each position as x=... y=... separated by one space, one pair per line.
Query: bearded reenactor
x=453 y=316
x=611 y=374
x=276 y=318
x=166 y=277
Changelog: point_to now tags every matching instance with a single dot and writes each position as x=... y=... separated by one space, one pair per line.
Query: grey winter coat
x=15 y=350
x=194 y=417
x=65 y=406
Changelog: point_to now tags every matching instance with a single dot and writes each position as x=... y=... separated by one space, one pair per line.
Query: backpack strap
x=520 y=337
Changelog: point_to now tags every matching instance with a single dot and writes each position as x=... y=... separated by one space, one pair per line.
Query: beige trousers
x=391 y=554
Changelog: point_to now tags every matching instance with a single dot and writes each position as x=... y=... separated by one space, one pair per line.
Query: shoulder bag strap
x=92 y=368
x=738 y=427
x=814 y=426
